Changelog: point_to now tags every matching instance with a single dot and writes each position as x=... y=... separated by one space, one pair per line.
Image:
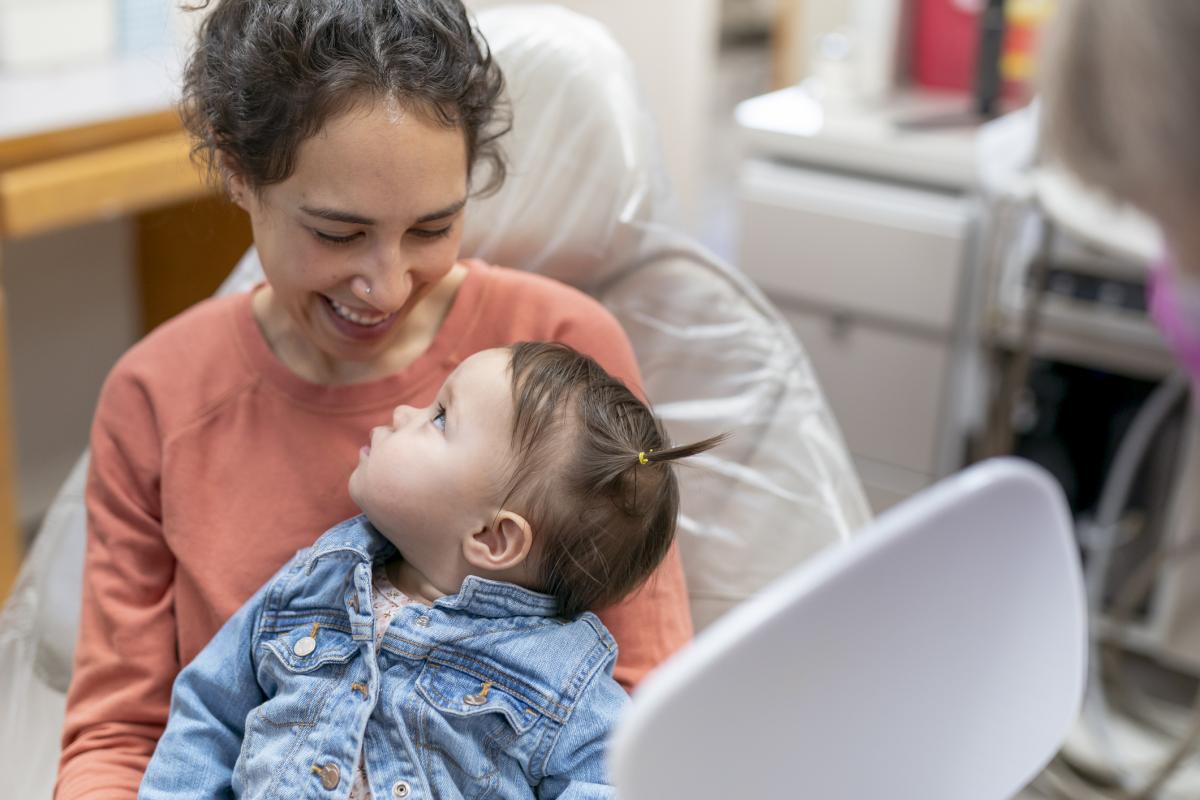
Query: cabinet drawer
x=885 y=388
x=875 y=248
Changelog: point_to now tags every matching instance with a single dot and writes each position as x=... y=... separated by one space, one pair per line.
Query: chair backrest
x=587 y=201
x=940 y=654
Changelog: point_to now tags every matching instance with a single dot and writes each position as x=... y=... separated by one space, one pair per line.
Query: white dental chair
x=585 y=202
x=940 y=655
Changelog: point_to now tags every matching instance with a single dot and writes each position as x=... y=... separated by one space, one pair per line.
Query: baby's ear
x=501 y=546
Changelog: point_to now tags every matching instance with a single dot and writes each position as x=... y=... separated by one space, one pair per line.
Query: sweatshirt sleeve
x=127 y=654
x=655 y=621
x=210 y=701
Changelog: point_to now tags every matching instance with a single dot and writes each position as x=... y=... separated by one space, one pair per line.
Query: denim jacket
x=486 y=693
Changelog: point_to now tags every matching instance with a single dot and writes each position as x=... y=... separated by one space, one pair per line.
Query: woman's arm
x=210 y=701
x=126 y=656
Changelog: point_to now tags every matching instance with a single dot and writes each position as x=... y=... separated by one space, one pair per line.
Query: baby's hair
x=593 y=474
x=266 y=75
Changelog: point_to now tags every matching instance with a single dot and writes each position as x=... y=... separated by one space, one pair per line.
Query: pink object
x=1174 y=301
x=944 y=43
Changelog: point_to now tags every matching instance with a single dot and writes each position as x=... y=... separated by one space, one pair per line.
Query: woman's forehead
x=381 y=163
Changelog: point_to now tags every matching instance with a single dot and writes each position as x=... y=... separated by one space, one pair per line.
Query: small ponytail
x=651 y=456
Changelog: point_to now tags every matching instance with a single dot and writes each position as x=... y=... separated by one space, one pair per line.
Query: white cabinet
x=885 y=387
x=869 y=247
x=870 y=274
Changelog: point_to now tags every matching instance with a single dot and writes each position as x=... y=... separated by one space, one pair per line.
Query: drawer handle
x=840 y=324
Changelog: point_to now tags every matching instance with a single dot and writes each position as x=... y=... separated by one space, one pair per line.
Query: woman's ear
x=503 y=545
x=235 y=184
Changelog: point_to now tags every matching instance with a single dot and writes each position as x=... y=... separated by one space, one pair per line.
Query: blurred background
x=870 y=164
x=105 y=232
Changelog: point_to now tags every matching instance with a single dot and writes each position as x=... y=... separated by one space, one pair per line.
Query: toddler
x=439 y=645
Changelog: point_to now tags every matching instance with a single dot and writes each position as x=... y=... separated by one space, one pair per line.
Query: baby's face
x=436 y=475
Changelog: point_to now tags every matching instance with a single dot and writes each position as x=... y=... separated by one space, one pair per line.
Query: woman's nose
x=387 y=284
x=361 y=288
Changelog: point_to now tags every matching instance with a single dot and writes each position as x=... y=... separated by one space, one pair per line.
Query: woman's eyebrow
x=453 y=208
x=335 y=215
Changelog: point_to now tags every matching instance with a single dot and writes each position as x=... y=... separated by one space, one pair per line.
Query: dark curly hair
x=593 y=475
x=267 y=74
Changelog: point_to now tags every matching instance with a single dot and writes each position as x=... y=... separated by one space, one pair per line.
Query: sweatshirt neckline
x=355 y=397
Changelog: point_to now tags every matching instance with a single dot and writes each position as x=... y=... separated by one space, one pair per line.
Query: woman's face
x=364 y=228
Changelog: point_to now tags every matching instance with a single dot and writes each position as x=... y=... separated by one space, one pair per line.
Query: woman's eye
x=439 y=419
x=422 y=233
x=329 y=238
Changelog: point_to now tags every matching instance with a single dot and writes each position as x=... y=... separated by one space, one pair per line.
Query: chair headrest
x=587 y=181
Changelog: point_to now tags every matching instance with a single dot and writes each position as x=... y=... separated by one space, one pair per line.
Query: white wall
x=673 y=45
x=72 y=310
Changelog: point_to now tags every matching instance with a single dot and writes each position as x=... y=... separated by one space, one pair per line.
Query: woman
x=349 y=133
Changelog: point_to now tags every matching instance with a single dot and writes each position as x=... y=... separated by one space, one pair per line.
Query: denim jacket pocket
x=297 y=678
x=298 y=671
x=465 y=727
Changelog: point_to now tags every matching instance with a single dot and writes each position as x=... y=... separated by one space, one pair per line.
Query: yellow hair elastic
x=642 y=456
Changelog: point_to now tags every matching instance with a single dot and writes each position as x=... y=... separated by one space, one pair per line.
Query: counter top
x=34 y=102
x=919 y=137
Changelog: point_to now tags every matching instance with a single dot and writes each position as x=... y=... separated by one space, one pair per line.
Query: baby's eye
x=439 y=419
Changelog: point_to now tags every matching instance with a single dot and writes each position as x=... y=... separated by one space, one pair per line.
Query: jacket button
x=401 y=789
x=329 y=774
x=304 y=646
x=422 y=622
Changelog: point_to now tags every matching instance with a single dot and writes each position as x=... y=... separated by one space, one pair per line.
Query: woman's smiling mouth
x=357 y=317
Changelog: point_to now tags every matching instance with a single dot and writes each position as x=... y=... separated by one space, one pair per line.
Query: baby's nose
x=401 y=415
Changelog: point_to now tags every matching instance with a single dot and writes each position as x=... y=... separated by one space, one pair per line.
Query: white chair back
x=939 y=655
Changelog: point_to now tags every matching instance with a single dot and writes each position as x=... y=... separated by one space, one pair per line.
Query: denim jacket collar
x=485 y=598
x=356 y=536
x=478 y=596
